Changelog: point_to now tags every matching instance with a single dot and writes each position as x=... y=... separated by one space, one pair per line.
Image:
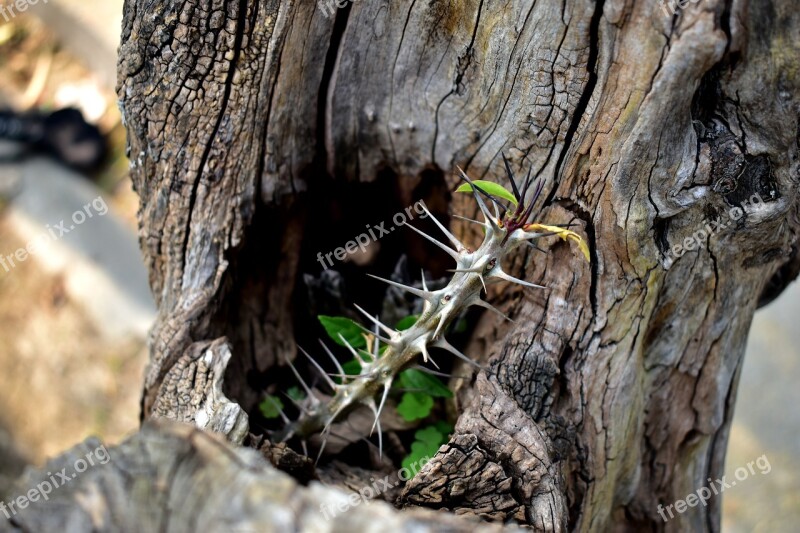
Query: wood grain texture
x=172 y=477
x=621 y=378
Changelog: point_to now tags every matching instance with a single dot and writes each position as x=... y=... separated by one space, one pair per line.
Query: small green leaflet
x=296 y=394
x=406 y=323
x=352 y=367
x=490 y=187
x=422 y=388
x=415 y=406
x=445 y=428
x=427 y=443
x=419 y=381
x=336 y=325
x=271 y=406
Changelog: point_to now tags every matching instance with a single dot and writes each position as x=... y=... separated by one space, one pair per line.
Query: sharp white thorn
x=485 y=226
x=353 y=351
x=427 y=356
x=528 y=236
x=481 y=204
x=328 y=380
x=502 y=275
x=350 y=376
x=300 y=379
x=380 y=438
x=376 y=346
x=386 y=387
x=534 y=247
x=321 y=448
x=283 y=416
x=445 y=314
x=474 y=270
x=442 y=343
x=424 y=283
x=452 y=253
x=368 y=332
x=325 y=441
x=287 y=436
x=496 y=211
x=326 y=429
x=453 y=240
x=424 y=294
x=333 y=358
x=389 y=331
x=280 y=411
x=377 y=424
x=440 y=374
x=371 y=404
x=490 y=307
x=297 y=404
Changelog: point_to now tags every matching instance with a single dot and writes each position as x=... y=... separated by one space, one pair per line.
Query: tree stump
x=668 y=136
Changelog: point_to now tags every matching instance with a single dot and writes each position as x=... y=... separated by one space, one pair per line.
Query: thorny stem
x=473 y=270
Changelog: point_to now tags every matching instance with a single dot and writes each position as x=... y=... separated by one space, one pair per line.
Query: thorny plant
x=505 y=229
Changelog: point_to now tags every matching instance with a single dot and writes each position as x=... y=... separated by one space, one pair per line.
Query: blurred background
x=74 y=314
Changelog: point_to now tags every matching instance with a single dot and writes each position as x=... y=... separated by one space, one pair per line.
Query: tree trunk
x=264 y=132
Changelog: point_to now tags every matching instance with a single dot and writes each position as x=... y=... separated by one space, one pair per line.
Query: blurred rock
x=95 y=252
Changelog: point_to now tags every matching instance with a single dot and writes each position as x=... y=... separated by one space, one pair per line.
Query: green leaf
x=352 y=367
x=490 y=187
x=415 y=406
x=430 y=436
x=367 y=356
x=271 y=406
x=406 y=323
x=336 y=325
x=420 y=381
x=296 y=394
x=427 y=443
x=445 y=428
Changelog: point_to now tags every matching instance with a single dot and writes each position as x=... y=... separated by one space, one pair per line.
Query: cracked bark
x=613 y=391
x=171 y=477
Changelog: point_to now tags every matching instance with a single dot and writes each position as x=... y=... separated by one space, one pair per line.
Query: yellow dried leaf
x=564 y=234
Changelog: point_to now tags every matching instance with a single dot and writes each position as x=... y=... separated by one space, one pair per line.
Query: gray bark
x=172 y=477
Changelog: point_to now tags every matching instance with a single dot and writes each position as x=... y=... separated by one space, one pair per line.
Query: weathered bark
x=617 y=385
x=171 y=477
